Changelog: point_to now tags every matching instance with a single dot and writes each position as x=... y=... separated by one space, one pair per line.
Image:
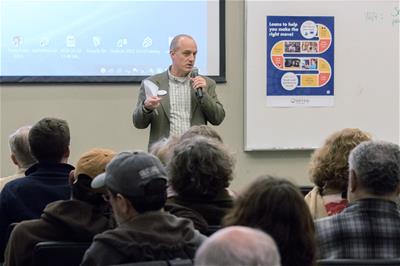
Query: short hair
x=277 y=207
x=376 y=164
x=19 y=147
x=154 y=199
x=201 y=130
x=329 y=164
x=163 y=148
x=238 y=245
x=200 y=168
x=174 y=43
x=49 y=139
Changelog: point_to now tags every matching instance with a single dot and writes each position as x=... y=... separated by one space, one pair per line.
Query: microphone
x=193 y=74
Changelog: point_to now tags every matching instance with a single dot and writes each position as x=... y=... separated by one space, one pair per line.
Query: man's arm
x=141 y=117
x=210 y=105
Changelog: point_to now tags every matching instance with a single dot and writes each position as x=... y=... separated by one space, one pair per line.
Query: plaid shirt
x=366 y=229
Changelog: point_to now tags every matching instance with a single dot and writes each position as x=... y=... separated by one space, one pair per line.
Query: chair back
x=59 y=253
x=363 y=262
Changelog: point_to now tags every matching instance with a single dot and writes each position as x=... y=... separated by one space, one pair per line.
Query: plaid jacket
x=367 y=228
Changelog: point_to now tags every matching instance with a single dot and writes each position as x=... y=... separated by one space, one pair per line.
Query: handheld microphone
x=193 y=74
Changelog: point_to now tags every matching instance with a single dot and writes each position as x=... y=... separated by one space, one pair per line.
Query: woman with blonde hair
x=329 y=172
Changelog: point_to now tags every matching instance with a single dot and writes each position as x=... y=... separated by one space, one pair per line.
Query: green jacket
x=206 y=109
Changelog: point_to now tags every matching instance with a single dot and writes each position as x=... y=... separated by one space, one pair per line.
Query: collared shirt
x=366 y=229
x=179 y=96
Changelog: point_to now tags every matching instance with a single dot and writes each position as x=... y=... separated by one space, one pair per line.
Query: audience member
x=20 y=154
x=369 y=228
x=136 y=187
x=238 y=245
x=201 y=130
x=163 y=148
x=277 y=207
x=78 y=219
x=45 y=181
x=329 y=172
x=200 y=172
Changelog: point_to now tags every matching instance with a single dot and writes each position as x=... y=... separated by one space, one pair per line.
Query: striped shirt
x=179 y=96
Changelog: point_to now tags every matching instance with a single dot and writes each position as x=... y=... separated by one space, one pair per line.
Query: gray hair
x=376 y=164
x=175 y=40
x=238 y=245
x=19 y=147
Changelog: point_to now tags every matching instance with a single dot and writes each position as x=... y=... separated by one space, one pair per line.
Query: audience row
x=138 y=206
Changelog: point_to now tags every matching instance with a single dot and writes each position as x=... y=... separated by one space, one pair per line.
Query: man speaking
x=189 y=100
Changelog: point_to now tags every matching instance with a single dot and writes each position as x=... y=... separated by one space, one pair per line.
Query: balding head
x=238 y=245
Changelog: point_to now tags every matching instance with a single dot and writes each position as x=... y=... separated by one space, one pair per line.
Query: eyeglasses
x=106 y=197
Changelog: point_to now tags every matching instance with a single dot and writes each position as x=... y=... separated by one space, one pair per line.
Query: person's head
x=329 y=164
x=49 y=140
x=135 y=183
x=238 y=245
x=19 y=147
x=374 y=171
x=200 y=168
x=90 y=164
x=163 y=148
x=183 y=50
x=277 y=207
x=201 y=130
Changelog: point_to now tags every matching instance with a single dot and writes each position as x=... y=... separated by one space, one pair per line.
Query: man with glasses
x=136 y=189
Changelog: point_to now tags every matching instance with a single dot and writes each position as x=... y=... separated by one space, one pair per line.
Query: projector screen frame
x=221 y=78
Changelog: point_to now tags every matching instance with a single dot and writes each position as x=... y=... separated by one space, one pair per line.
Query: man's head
x=89 y=165
x=374 y=170
x=183 y=50
x=49 y=140
x=19 y=146
x=135 y=183
x=238 y=245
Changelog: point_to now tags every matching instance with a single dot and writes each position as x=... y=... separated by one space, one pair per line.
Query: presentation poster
x=300 y=61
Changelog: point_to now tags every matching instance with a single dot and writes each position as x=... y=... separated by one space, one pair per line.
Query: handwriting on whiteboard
x=377 y=17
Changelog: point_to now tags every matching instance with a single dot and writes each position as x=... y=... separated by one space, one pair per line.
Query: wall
x=100 y=115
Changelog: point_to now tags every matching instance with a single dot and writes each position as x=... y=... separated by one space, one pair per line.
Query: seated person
x=21 y=154
x=78 y=219
x=45 y=182
x=369 y=228
x=329 y=171
x=238 y=245
x=136 y=188
x=276 y=206
x=200 y=172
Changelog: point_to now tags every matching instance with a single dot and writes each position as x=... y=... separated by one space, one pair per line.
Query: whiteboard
x=366 y=79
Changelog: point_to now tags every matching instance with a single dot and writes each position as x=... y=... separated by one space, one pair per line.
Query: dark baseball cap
x=128 y=173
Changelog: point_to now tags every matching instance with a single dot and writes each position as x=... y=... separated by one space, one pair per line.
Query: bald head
x=238 y=245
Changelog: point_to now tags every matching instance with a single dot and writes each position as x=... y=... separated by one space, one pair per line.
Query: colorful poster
x=300 y=61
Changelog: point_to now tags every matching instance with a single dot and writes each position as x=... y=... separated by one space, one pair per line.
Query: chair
x=305 y=189
x=59 y=253
x=180 y=262
x=363 y=262
x=211 y=229
x=145 y=263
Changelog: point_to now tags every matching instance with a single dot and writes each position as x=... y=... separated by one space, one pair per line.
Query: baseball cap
x=93 y=162
x=130 y=172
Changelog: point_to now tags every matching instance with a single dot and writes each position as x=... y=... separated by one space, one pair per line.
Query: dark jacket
x=145 y=237
x=64 y=220
x=211 y=209
x=25 y=198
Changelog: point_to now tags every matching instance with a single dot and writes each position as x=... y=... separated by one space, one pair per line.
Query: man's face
x=183 y=57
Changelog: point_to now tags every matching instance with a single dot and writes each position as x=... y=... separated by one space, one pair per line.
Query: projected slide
x=103 y=38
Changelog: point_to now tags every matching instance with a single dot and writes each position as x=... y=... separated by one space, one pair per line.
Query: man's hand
x=198 y=82
x=152 y=102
